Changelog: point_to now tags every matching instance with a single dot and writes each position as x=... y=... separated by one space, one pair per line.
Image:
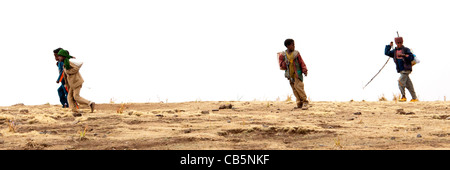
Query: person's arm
x=281 y=61
x=61 y=75
x=61 y=72
x=408 y=56
x=388 y=51
x=302 y=65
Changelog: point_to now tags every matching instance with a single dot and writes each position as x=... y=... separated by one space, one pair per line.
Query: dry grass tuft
x=382 y=98
x=289 y=98
x=396 y=97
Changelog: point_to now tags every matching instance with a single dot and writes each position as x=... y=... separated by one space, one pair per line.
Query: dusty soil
x=252 y=125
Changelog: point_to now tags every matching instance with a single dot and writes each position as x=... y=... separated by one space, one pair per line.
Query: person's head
x=60 y=58
x=55 y=53
x=399 y=42
x=63 y=55
x=290 y=45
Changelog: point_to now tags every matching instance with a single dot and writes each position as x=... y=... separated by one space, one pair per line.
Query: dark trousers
x=63 y=96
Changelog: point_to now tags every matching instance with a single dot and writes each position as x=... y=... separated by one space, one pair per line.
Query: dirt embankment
x=229 y=125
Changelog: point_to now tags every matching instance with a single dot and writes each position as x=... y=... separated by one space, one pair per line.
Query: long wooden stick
x=377 y=73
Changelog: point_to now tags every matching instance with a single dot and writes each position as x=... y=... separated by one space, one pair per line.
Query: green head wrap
x=65 y=54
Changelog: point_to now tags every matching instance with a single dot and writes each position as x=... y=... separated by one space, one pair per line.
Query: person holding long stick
x=402 y=57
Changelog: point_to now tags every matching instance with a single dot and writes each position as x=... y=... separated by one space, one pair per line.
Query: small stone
x=419 y=135
x=187 y=131
x=205 y=112
x=159 y=115
x=228 y=121
x=179 y=110
x=392 y=138
x=227 y=106
x=76 y=114
x=215 y=110
x=23 y=111
x=19 y=104
x=357 y=113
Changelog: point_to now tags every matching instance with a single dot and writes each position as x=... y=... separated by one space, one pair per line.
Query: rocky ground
x=255 y=125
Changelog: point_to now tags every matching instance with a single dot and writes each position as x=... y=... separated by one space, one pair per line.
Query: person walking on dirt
x=62 y=93
x=74 y=81
x=291 y=61
x=402 y=57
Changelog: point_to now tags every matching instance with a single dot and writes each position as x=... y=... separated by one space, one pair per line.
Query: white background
x=177 y=50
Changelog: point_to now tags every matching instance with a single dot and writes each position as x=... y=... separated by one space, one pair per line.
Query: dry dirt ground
x=255 y=125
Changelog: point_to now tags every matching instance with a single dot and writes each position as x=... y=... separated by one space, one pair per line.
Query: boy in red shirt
x=291 y=61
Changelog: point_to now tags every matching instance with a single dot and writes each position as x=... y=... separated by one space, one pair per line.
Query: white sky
x=150 y=51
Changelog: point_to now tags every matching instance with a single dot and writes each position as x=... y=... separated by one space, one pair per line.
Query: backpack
x=415 y=59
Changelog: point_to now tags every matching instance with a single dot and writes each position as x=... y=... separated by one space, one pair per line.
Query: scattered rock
x=130 y=113
x=357 y=113
x=392 y=138
x=419 y=135
x=76 y=114
x=227 y=106
x=2 y=141
x=228 y=121
x=159 y=115
x=179 y=110
x=19 y=104
x=49 y=132
x=215 y=110
x=443 y=117
x=205 y=112
x=23 y=110
x=402 y=112
x=188 y=130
